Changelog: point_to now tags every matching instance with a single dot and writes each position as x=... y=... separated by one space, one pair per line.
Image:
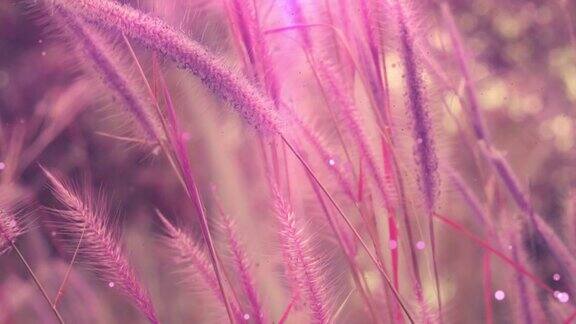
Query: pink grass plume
x=100 y=250
x=187 y=251
x=254 y=107
x=301 y=261
x=193 y=258
x=242 y=266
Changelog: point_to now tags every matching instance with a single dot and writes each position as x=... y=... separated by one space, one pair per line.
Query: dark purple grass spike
x=424 y=151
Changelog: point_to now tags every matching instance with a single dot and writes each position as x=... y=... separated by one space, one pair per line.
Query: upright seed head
x=422 y=132
x=84 y=217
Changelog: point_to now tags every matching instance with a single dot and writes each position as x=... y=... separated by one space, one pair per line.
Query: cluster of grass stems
x=369 y=250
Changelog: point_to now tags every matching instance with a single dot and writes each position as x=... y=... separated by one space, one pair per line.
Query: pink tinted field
x=287 y=161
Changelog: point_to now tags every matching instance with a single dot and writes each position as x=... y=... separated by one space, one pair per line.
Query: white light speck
x=331 y=162
x=420 y=245
x=111 y=284
x=563 y=297
x=43 y=53
x=2 y=166
x=556 y=277
x=499 y=295
x=246 y=316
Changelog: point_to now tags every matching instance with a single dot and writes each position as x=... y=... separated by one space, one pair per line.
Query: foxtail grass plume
x=302 y=265
x=244 y=269
x=193 y=259
x=254 y=107
x=85 y=215
x=422 y=128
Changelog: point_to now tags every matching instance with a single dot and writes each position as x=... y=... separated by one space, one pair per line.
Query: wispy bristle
x=15 y=206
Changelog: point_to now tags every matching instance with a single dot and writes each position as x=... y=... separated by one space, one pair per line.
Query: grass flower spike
x=86 y=216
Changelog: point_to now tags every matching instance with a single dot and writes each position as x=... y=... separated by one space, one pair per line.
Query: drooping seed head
x=223 y=81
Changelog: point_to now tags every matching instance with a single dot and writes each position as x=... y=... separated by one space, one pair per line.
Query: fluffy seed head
x=254 y=107
x=424 y=151
x=301 y=263
x=85 y=218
